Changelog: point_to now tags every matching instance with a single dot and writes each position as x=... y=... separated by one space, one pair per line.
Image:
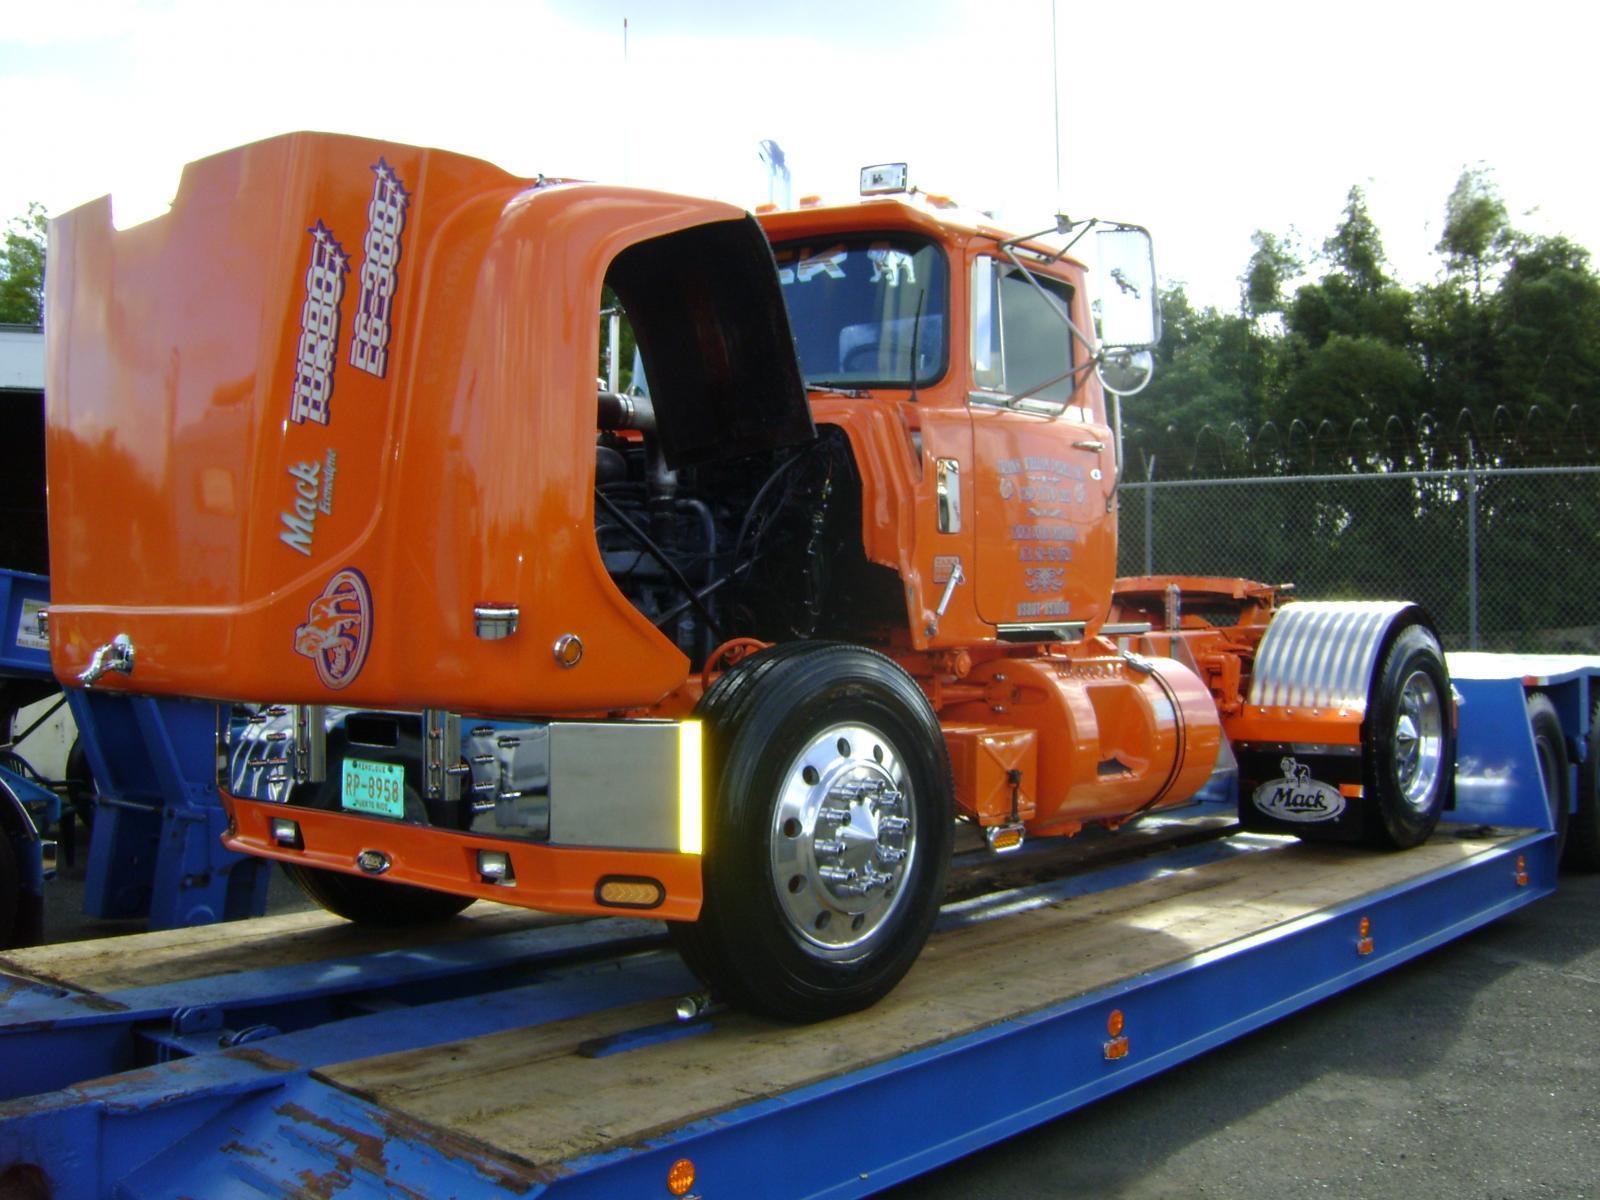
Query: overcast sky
x=1202 y=121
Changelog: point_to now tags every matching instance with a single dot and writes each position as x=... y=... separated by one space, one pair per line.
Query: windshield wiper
x=833 y=389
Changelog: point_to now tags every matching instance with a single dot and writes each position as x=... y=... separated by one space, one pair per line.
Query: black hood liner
x=710 y=322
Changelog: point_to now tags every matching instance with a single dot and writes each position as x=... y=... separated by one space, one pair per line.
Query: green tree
x=1477 y=231
x=1375 y=375
x=1213 y=375
x=1269 y=271
x=1355 y=247
x=22 y=269
x=1547 y=327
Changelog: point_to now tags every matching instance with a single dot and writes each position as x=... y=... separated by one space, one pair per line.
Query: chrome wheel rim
x=843 y=839
x=1418 y=740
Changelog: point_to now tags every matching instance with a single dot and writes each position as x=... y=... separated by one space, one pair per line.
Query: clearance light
x=287 y=833
x=883 y=179
x=680 y=1177
x=1364 y=937
x=494 y=866
x=1117 y=1046
x=1522 y=871
x=633 y=892
x=689 y=802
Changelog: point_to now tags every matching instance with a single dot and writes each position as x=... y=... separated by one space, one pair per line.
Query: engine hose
x=667 y=564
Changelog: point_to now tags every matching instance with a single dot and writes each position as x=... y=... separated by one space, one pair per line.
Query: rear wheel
x=1583 y=840
x=1407 y=744
x=828 y=827
x=373 y=902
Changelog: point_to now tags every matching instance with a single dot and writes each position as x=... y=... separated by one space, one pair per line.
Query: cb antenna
x=1055 y=88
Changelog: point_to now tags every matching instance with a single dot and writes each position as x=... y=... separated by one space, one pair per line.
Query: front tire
x=372 y=901
x=1408 y=747
x=828 y=828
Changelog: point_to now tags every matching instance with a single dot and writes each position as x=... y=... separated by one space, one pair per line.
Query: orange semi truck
x=736 y=649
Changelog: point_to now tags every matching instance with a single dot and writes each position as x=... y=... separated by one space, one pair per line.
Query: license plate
x=372 y=787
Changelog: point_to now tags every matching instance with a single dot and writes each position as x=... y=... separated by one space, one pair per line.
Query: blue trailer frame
x=264 y=1078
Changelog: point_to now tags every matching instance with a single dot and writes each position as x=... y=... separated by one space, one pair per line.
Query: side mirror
x=1125 y=371
x=1130 y=314
x=1129 y=309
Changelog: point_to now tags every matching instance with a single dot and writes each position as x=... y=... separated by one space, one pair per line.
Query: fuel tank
x=1117 y=734
x=324 y=432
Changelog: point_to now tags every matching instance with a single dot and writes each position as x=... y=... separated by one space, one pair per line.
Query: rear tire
x=372 y=901
x=1550 y=752
x=1583 y=834
x=828 y=829
x=1408 y=749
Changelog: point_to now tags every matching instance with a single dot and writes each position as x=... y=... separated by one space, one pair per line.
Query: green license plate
x=371 y=787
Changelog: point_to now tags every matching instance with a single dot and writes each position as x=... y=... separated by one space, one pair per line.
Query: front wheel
x=373 y=901
x=1407 y=742
x=828 y=831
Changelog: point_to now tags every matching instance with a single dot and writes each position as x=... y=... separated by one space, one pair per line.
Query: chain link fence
x=1504 y=559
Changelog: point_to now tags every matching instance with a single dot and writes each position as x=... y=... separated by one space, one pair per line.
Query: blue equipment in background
x=156 y=851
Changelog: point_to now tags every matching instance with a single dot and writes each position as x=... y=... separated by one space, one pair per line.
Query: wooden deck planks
x=202 y=951
x=519 y=1091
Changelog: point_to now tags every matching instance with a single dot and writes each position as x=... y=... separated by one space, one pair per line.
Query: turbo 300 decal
x=319 y=327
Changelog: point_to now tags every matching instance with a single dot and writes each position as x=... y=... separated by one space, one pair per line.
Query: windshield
x=858 y=304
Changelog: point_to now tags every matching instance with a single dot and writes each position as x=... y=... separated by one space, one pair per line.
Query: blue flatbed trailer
x=509 y=1053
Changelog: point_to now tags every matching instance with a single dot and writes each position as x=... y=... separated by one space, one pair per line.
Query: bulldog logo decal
x=338 y=629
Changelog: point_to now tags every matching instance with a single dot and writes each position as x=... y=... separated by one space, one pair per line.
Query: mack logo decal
x=1297 y=796
x=319 y=327
x=386 y=221
x=338 y=629
x=313 y=485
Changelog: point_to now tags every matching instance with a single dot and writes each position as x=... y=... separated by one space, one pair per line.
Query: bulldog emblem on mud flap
x=338 y=628
x=1297 y=796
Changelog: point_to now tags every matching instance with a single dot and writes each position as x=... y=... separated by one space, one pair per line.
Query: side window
x=1020 y=342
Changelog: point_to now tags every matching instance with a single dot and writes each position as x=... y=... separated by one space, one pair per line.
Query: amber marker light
x=1522 y=871
x=680 y=1177
x=1364 y=936
x=1004 y=838
x=1117 y=1047
x=621 y=892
